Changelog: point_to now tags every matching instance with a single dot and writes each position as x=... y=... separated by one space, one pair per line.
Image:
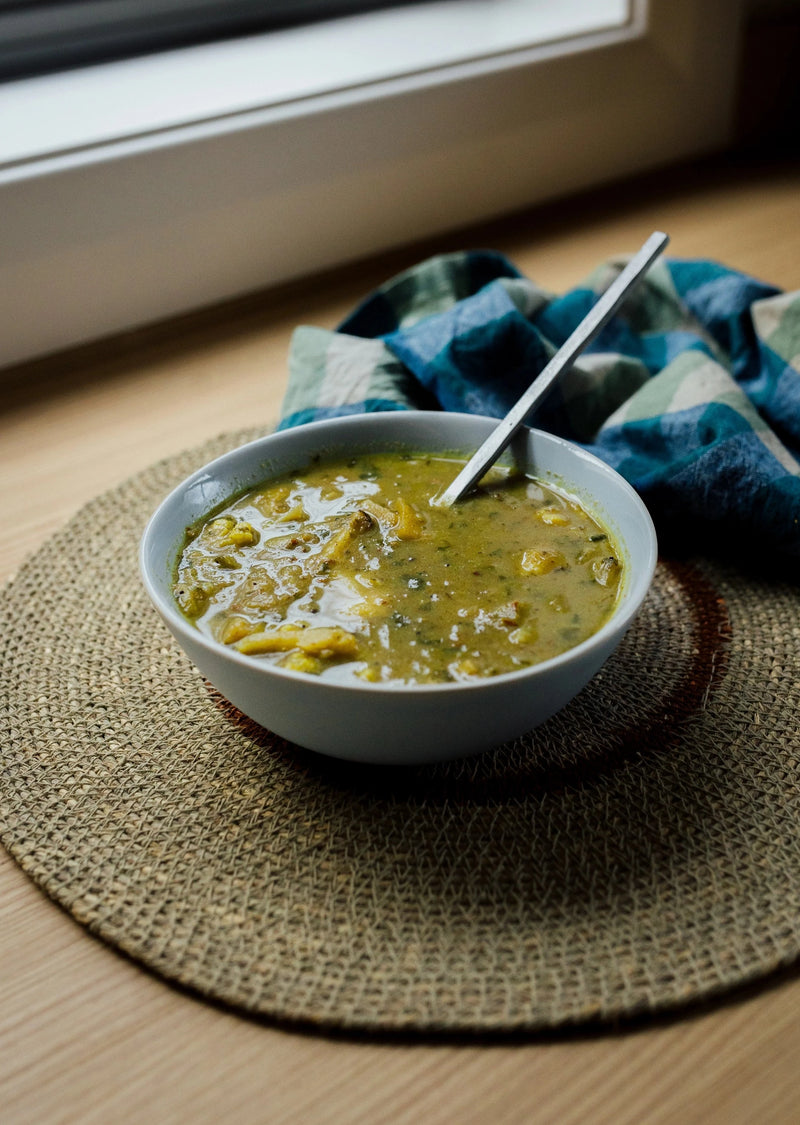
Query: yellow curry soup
x=346 y=570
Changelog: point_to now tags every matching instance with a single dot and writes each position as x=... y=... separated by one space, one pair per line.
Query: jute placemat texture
x=639 y=852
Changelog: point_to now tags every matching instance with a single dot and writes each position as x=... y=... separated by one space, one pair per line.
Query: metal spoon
x=598 y=315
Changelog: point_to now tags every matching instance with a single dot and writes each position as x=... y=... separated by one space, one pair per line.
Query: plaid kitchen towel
x=692 y=390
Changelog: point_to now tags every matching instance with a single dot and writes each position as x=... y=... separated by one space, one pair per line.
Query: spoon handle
x=603 y=309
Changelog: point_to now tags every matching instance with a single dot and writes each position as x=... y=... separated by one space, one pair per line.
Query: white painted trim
x=105 y=229
x=217 y=85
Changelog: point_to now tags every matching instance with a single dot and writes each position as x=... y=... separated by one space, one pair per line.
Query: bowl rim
x=614 y=626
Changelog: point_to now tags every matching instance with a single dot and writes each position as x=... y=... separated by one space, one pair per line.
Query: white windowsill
x=138 y=190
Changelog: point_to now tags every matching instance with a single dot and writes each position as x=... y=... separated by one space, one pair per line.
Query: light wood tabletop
x=88 y=1036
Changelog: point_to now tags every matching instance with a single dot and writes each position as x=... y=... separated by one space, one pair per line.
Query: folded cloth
x=691 y=391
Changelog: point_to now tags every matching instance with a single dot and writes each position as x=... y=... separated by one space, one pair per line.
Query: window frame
x=123 y=229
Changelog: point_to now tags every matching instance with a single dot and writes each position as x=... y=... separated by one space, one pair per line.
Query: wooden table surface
x=88 y=1036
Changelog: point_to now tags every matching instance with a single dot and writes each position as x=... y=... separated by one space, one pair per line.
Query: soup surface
x=345 y=569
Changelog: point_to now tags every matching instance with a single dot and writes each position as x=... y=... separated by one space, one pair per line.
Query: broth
x=346 y=570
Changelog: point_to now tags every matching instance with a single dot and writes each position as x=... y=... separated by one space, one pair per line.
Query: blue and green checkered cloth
x=691 y=392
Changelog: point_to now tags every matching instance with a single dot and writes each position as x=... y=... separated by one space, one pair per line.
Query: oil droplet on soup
x=346 y=570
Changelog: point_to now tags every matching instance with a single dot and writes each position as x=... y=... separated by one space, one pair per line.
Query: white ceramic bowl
x=399 y=723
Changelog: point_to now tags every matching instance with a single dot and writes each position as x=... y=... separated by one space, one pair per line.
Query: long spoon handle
x=595 y=319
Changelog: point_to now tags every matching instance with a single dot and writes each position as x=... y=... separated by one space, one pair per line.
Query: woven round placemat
x=638 y=852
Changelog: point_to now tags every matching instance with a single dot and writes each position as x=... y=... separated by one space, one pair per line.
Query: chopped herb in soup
x=345 y=569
